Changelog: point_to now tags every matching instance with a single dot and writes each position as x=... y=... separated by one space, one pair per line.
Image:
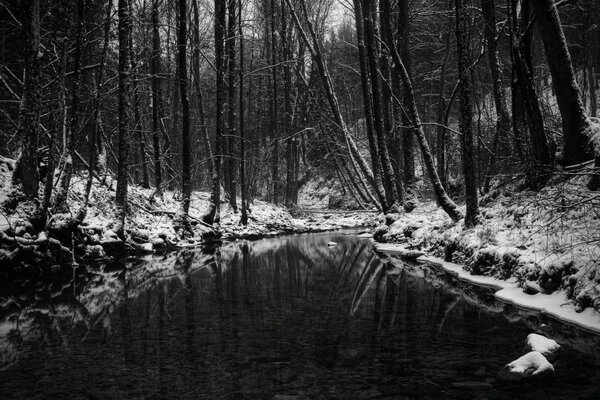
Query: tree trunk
x=274 y=133
x=576 y=125
x=26 y=171
x=466 y=115
x=373 y=55
x=407 y=133
x=95 y=134
x=186 y=143
x=230 y=164
x=212 y=216
x=367 y=103
x=244 y=217
x=199 y=93
x=503 y=119
x=315 y=52
x=413 y=114
x=124 y=112
x=156 y=95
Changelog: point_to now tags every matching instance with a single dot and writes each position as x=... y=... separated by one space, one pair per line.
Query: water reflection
x=250 y=320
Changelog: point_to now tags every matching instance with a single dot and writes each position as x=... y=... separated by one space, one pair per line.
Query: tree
x=186 y=175
x=156 y=94
x=231 y=141
x=367 y=103
x=441 y=196
x=26 y=171
x=488 y=8
x=244 y=216
x=212 y=216
x=466 y=114
x=124 y=115
x=576 y=125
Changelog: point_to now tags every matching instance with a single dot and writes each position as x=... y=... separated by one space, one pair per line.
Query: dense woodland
x=393 y=100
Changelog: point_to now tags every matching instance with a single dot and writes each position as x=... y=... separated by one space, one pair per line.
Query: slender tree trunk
x=367 y=103
x=60 y=199
x=413 y=114
x=156 y=95
x=503 y=119
x=407 y=133
x=232 y=118
x=315 y=52
x=199 y=93
x=212 y=216
x=186 y=143
x=576 y=125
x=26 y=172
x=466 y=115
x=274 y=109
x=441 y=130
x=95 y=134
x=244 y=217
x=124 y=112
x=373 y=55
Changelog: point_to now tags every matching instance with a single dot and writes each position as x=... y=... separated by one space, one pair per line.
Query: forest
x=388 y=104
x=151 y=151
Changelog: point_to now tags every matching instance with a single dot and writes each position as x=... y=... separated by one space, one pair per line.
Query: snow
x=541 y=344
x=150 y=225
x=509 y=292
x=530 y=365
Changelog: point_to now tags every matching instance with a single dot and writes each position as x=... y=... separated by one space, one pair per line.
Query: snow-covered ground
x=541 y=250
x=149 y=221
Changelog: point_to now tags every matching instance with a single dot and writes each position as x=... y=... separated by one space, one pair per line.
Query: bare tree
x=124 y=115
x=26 y=172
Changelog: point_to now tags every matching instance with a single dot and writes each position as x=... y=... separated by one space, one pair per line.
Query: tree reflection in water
x=286 y=315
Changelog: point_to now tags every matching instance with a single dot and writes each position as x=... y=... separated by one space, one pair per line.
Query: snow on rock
x=531 y=365
x=541 y=344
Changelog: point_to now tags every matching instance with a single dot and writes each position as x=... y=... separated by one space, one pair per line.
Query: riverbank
x=541 y=249
x=149 y=223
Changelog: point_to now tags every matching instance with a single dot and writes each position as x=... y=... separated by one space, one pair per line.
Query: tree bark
x=186 y=143
x=373 y=55
x=413 y=114
x=576 y=125
x=407 y=133
x=156 y=95
x=231 y=163
x=213 y=214
x=124 y=115
x=503 y=119
x=60 y=199
x=466 y=115
x=244 y=216
x=367 y=102
x=26 y=171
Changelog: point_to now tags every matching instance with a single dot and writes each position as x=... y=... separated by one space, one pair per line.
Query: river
x=285 y=318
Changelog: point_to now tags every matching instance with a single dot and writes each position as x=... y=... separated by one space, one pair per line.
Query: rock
x=542 y=344
x=531 y=365
x=365 y=235
x=94 y=251
x=332 y=244
x=532 y=287
x=146 y=247
x=158 y=243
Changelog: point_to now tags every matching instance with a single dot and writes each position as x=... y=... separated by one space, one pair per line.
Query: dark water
x=268 y=319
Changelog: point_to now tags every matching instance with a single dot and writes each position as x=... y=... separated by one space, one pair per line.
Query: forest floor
x=545 y=241
x=149 y=223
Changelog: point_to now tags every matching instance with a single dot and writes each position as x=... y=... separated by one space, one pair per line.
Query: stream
x=285 y=318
